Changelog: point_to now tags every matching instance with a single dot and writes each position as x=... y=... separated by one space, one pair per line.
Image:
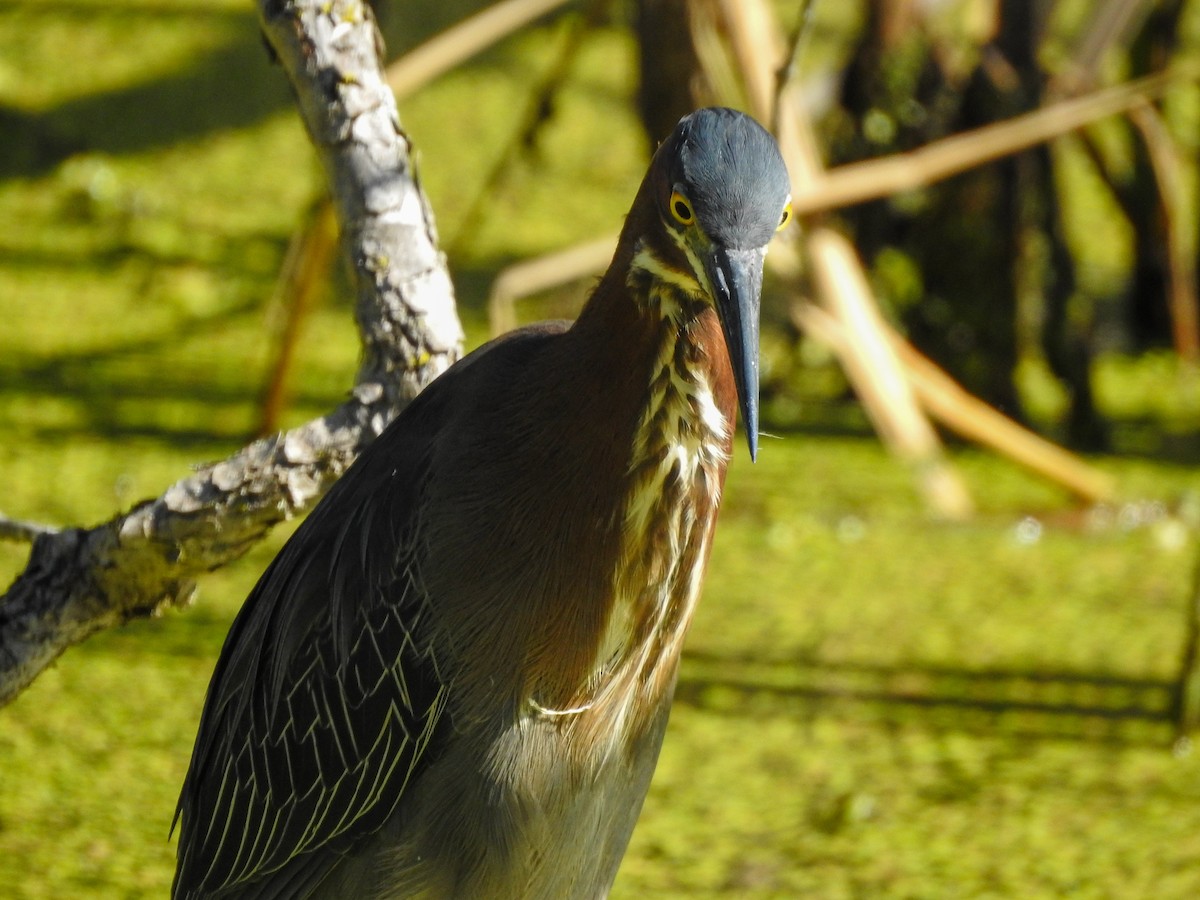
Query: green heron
x=454 y=679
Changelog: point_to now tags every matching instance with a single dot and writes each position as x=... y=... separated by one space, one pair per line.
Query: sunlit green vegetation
x=874 y=704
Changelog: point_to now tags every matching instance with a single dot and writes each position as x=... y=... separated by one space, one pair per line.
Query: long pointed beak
x=736 y=278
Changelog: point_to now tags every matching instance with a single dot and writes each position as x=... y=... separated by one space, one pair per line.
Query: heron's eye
x=681 y=209
x=786 y=217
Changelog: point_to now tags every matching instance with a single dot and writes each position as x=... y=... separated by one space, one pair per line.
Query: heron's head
x=722 y=192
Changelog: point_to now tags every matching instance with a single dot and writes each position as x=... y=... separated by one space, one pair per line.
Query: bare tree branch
x=79 y=581
x=26 y=532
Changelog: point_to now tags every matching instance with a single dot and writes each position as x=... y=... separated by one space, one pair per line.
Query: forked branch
x=81 y=580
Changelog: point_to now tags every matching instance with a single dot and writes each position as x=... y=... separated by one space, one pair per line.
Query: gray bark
x=81 y=580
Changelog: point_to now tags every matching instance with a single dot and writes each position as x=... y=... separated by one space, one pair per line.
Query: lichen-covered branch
x=81 y=580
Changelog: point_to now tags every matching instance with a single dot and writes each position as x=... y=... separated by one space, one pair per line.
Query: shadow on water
x=1063 y=705
x=230 y=85
x=112 y=394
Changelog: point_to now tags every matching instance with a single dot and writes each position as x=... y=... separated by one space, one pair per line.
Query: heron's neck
x=675 y=472
x=681 y=446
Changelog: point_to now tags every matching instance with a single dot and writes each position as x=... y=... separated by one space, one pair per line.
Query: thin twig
x=23 y=532
x=1163 y=154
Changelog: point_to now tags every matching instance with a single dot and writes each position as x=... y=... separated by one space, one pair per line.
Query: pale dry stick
x=758 y=48
x=542 y=273
x=967 y=415
x=464 y=40
x=860 y=182
x=760 y=53
x=878 y=377
x=721 y=79
x=1109 y=24
x=1181 y=264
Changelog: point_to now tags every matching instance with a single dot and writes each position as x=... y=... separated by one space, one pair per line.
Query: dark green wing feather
x=327 y=698
x=328 y=701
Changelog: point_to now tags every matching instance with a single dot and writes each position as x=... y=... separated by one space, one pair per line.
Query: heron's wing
x=327 y=701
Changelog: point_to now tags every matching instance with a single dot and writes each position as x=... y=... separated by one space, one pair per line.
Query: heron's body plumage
x=455 y=678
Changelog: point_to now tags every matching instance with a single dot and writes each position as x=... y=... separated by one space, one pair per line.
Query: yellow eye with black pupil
x=681 y=209
x=785 y=218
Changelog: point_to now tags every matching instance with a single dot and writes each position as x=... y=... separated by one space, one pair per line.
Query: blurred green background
x=873 y=703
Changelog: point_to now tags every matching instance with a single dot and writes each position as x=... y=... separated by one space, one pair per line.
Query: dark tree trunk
x=1148 y=314
x=1066 y=337
x=961 y=236
x=671 y=81
x=964 y=238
